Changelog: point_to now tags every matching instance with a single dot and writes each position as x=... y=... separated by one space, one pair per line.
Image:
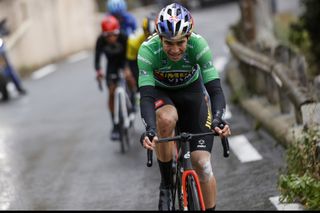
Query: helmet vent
x=184 y=30
x=169 y=26
x=186 y=18
x=178 y=11
x=178 y=27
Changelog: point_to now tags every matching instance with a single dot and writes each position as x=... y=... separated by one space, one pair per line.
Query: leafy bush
x=311 y=18
x=305 y=34
x=301 y=183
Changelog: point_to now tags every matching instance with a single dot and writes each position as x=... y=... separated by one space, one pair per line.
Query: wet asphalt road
x=55 y=152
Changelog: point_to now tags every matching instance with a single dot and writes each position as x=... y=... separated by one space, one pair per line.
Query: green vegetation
x=302 y=33
x=301 y=182
x=310 y=22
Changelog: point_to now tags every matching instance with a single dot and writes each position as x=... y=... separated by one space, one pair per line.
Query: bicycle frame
x=122 y=102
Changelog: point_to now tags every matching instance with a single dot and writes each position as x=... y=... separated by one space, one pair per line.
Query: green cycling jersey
x=156 y=69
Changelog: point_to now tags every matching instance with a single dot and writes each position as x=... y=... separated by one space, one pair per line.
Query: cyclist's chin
x=175 y=58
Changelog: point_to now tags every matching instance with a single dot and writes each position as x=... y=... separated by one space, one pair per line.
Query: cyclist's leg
x=132 y=84
x=195 y=117
x=201 y=161
x=166 y=117
x=130 y=79
x=111 y=81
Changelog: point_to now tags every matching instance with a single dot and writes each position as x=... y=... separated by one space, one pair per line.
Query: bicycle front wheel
x=192 y=195
x=123 y=134
x=123 y=137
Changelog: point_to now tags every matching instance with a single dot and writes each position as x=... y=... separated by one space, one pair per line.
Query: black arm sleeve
x=98 y=52
x=217 y=99
x=147 y=107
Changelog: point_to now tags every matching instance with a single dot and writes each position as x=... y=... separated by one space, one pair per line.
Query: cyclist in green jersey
x=173 y=67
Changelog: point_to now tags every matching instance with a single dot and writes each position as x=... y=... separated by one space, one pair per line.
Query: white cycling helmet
x=174 y=22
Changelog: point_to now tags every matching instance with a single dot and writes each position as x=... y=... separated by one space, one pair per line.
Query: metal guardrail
x=266 y=65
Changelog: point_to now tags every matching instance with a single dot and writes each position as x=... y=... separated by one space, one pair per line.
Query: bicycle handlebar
x=184 y=137
x=100 y=84
x=150 y=152
x=188 y=136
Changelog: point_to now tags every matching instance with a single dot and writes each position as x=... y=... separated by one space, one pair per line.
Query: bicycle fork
x=185 y=175
x=188 y=170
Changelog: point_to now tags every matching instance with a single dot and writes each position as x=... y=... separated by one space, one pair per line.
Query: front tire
x=192 y=195
x=122 y=134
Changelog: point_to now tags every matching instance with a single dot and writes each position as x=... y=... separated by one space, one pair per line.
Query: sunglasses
x=111 y=33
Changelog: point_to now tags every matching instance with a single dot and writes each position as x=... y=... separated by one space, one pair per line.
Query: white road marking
x=43 y=71
x=285 y=206
x=78 y=57
x=242 y=148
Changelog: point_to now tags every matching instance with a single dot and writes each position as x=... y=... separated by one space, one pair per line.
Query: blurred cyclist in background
x=8 y=69
x=118 y=8
x=134 y=42
x=113 y=44
x=136 y=39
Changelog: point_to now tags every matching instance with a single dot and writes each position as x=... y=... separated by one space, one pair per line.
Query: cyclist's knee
x=205 y=173
x=202 y=164
x=166 y=120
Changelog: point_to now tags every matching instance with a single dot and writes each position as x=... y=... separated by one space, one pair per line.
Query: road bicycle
x=186 y=190
x=123 y=118
x=123 y=115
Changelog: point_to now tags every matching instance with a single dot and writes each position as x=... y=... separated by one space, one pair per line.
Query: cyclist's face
x=111 y=37
x=174 y=48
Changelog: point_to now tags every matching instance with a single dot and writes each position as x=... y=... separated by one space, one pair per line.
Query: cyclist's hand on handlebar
x=99 y=75
x=221 y=127
x=148 y=139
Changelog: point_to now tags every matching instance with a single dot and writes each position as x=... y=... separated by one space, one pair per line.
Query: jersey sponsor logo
x=186 y=59
x=174 y=77
x=209 y=64
x=187 y=66
x=202 y=52
x=201 y=144
x=143 y=72
x=114 y=49
x=158 y=103
x=157 y=51
x=141 y=58
x=187 y=155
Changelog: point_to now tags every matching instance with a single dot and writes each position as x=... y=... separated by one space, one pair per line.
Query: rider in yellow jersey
x=136 y=39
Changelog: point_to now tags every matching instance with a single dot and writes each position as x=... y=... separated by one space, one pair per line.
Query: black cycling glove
x=150 y=133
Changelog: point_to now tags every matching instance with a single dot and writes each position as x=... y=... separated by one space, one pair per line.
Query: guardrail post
x=282 y=55
x=299 y=65
x=298 y=115
x=316 y=82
